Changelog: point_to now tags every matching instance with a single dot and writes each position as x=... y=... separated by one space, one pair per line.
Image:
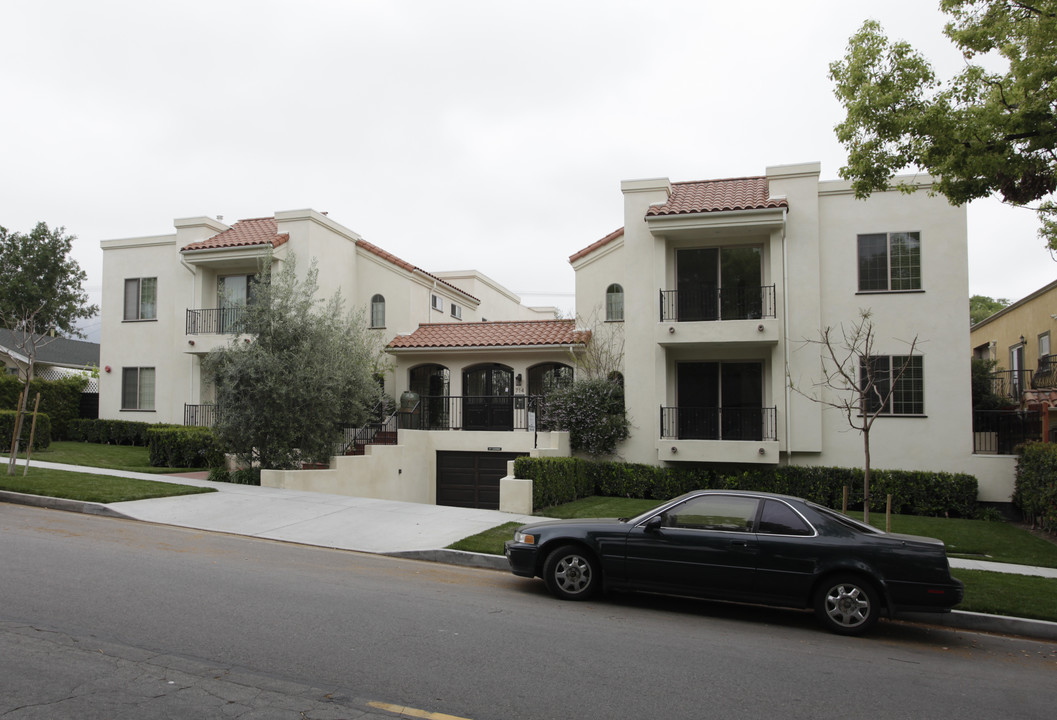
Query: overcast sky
x=490 y=135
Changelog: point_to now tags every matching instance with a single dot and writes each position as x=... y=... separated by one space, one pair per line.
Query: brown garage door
x=471 y=479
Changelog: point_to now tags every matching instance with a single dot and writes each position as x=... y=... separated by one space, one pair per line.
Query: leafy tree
x=983 y=386
x=592 y=411
x=982 y=307
x=855 y=383
x=980 y=132
x=307 y=368
x=41 y=294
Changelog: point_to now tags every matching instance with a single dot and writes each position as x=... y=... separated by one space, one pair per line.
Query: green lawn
x=985 y=592
x=116 y=457
x=90 y=488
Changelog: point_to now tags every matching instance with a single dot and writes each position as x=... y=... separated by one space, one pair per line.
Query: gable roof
x=495 y=334
x=619 y=232
x=749 y=193
x=265 y=231
x=244 y=233
x=54 y=351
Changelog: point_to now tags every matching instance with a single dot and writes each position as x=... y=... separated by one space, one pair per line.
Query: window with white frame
x=437 y=302
x=378 y=311
x=141 y=298
x=137 y=388
x=614 y=303
x=456 y=311
x=889 y=262
x=907 y=396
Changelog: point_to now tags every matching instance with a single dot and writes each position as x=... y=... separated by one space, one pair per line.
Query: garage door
x=471 y=479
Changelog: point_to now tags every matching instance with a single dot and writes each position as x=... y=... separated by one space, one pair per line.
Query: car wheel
x=571 y=573
x=847 y=605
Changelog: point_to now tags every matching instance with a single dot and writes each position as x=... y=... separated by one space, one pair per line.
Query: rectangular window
x=437 y=303
x=889 y=262
x=141 y=298
x=1044 y=345
x=137 y=388
x=908 y=395
x=456 y=311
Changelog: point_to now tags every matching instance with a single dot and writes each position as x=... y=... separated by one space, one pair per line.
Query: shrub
x=60 y=399
x=914 y=492
x=245 y=476
x=1035 y=488
x=114 y=432
x=41 y=434
x=184 y=447
x=592 y=411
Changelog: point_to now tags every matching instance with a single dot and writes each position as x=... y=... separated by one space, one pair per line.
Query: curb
x=52 y=503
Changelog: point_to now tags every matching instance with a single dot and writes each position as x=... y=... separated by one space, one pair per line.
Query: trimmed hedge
x=113 y=432
x=60 y=399
x=184 y=447
x=1035 y=488
x=244 y=476
x=561 y=480
x=41 y=435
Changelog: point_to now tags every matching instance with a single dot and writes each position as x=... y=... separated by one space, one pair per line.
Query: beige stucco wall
x=1030 y=317
x=810 y=255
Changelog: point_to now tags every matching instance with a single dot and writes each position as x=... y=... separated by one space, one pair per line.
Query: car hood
x=578 y=522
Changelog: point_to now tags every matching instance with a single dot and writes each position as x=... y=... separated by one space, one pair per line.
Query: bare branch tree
x=857 y=381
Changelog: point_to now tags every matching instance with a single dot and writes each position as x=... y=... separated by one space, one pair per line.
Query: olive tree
x=305 y=368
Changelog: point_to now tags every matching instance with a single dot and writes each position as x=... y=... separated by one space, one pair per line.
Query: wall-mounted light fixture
x=671 y=330
x=191 y=343
x=759 y=328
x=107 y=368
x=762 y=451
x=518 y=379
x=1021 y=339
x=674 y=449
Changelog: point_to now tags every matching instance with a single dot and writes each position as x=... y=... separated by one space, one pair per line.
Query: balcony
x=740 y=424
x=1012 y=383
x=464 y=412
x=706 y=304
x=215 y=321
x=1045 y=377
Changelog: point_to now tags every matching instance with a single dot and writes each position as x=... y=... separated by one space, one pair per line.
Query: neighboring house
x=722 y=285
x=1018 y=339
x=55 y=356
x=168 y=300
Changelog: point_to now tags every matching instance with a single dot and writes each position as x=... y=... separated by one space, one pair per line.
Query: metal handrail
x=717 y=423
x=714 y=303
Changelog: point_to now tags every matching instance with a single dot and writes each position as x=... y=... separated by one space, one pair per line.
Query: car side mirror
x=655 y=523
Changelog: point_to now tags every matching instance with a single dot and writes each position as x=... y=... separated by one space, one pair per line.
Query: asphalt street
x=103 y=614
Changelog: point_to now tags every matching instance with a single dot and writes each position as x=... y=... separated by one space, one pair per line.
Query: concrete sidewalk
x=395 y=528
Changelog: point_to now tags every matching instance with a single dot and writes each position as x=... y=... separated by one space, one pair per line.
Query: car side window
x=714 y=512
x=780 y=519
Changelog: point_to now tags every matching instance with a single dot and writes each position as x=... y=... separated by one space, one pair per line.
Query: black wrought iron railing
x=696 y=423
x=713 y=303
x=200 y=415
x=999 y=432
x=1011 y=383
x=469 y=412
x=378 y=432
x=1045 y=376
x=215 y=321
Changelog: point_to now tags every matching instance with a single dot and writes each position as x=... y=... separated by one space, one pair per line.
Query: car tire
x=571 y=573
x=847 y=605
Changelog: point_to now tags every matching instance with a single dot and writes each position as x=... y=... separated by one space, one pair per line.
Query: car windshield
x=846 y=521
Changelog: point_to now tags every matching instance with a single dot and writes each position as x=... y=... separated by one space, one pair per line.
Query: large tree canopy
x=982 y=307
x=40 y=284
x=981 y=132
x=305 y=368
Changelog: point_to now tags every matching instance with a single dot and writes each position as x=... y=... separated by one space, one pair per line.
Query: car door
x=705 y=545
x=788 y=554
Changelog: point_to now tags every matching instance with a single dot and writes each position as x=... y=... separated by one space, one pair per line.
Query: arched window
x=548 y=376
x=378 y=311
x=614 y=303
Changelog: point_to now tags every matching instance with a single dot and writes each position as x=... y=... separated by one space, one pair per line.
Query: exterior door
x=488 y=402
x=697 y=280
x=471 y=479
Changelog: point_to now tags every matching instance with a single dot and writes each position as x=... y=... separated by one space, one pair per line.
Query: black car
x=747 y=547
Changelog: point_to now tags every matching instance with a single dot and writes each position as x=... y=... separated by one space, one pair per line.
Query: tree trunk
x=19 y=415
x=866 y=476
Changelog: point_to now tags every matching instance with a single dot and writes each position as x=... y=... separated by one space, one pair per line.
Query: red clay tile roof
x=619 y=232
x=244 y=233
x=264 y=231
x=750 y=193
x=516 y=333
